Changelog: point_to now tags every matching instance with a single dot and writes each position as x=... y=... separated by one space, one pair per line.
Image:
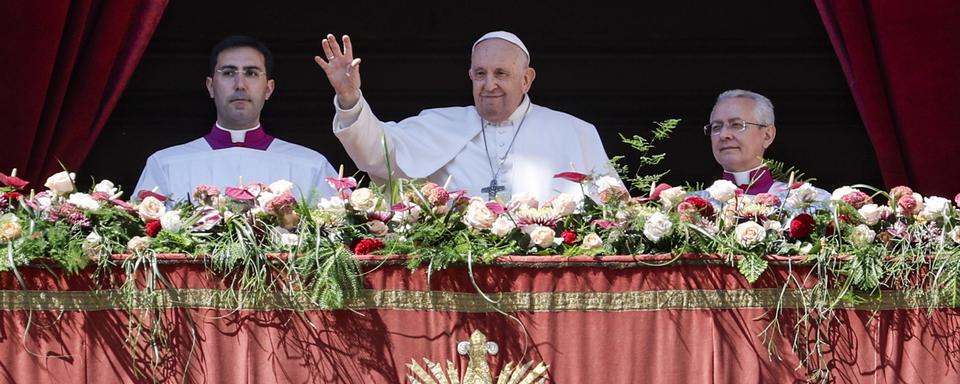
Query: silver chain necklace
x=493 y=189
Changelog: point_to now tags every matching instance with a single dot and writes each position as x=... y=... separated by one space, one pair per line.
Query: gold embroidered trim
x=442 y=301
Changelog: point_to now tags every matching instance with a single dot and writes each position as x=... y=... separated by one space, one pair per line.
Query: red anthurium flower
x=575 y=177
x=496 y=207
x=569 y=237
x=153 y=228
x=13 y=181
x=12 y=196
x=144 y=193
x=239 y=194
x=367 y=246
x=801 y=226
x=341 y=183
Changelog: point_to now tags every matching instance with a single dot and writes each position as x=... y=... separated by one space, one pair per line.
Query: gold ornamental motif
x=478 y=369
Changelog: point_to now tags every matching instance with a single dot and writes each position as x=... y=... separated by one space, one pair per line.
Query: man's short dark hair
x=236 y=41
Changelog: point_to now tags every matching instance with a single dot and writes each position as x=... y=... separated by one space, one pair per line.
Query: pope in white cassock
x=501 y=146
x=239 y=83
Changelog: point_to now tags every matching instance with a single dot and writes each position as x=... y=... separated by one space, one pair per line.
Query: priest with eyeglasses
x=237 y=149
x=501 y=146
x=741 y=128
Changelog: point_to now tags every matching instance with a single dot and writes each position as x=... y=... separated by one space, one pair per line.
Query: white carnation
x=281 y=186
x=871 y=214
x=801 y=197
x=722 y=190
x=564 y=204
x=84 y=201
x=171 y=222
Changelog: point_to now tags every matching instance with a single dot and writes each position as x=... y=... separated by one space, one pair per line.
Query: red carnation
x=367 y=246
x=801 y=226
x=153 y=228
x=569 y=237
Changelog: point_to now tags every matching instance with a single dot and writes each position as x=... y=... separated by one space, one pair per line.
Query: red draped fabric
x=902 y=63
x=65 y=64
x=612 y=319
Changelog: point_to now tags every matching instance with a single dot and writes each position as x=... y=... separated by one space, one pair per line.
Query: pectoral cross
x=493 y=189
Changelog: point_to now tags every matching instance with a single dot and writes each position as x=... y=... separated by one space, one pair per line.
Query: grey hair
x=763 y=111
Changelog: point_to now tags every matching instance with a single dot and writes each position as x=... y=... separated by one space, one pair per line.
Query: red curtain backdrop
x=65 y=64
x=901 y=61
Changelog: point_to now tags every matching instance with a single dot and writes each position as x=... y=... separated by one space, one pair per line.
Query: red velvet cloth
x=901 y=61
x=65 y=65
x=374 y=345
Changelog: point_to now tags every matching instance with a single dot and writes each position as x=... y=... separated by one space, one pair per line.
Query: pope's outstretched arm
x=354 y=124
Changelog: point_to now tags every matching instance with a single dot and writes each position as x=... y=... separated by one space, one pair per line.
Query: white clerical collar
x=515 y=117
x=742 y=178
x=237 y=135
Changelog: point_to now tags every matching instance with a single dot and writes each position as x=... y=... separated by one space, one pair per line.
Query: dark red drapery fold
x=65 y=65
x=901 y=62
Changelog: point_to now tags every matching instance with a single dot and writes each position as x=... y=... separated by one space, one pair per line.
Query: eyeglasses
x=247 y=73
x=738 y=126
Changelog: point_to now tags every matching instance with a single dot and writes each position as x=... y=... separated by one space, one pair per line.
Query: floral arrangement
x=863 y=238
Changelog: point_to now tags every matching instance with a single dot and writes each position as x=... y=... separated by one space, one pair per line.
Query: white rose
x=564 y=204
x=478 y=216
x=502 y=226
x=801 y=197
x=10 y=228
x=541 y=236
x=862 y=235
x=839 y=193
x=61 y=182
x=363 y=199
x=151 y=209
x=377 y=227
x=871 y=214
x=524 y=200
x=749 y=233
x=672 y=196
x=955 y=234
x=281 y=186
x=722 y=190
x=84 y=201
x=657 y=227
x=138 y=244
x=591 y=241
x=171 y=222
x=107 y=186
x=934 y=207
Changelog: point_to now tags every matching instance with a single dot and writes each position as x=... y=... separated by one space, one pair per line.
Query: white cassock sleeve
x=153 y=177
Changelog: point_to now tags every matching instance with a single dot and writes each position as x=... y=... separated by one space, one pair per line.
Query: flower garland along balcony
x=858 y=243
